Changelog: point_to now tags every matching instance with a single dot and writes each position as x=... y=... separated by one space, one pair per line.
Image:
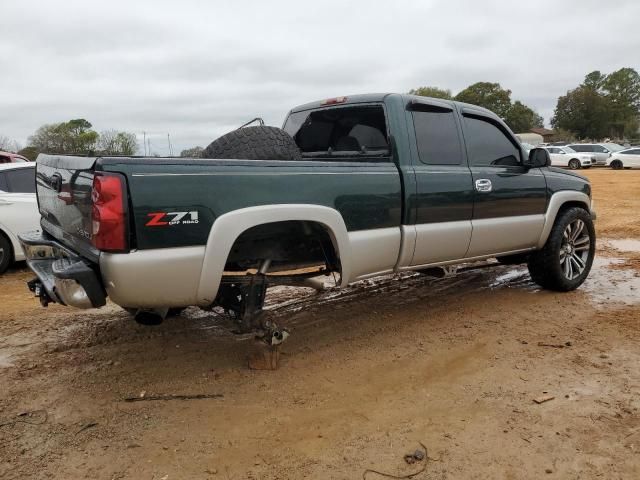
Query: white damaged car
x=18 y=209
x=568 y=157
x=629 y=158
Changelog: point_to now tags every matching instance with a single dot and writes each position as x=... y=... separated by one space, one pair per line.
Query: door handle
x=484 y=185
x=4 y=202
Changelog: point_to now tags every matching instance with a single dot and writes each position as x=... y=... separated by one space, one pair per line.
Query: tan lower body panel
x=153 y=278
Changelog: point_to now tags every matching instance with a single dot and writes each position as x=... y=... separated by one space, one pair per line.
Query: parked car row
x=585 y=155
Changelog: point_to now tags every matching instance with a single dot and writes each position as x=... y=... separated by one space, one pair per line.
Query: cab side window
x=437 y=136
x=488 y=145
x=581 y=148
x=3 y=183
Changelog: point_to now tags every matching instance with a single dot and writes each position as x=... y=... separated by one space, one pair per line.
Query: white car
x=18 y=209
x=568 y=157
x=599 y=152
x=629 y=158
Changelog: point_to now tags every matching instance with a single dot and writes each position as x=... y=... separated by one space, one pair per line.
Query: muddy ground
x=368 y=374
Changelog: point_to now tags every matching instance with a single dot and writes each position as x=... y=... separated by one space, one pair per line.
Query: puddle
x=519 y=276
x=605 y=284
x=625 y=245
x=612 y=285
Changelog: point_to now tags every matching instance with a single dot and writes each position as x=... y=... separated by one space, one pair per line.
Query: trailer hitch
x=39 y=291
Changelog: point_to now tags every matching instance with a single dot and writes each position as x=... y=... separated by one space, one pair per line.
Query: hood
x=571 y=173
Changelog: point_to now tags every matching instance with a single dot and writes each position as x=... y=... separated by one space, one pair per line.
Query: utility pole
x=144 y=141
x=169 y=142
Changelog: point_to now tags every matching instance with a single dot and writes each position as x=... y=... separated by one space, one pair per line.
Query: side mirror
x=538 y=157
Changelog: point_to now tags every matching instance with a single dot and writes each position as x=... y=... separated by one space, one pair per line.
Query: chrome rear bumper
x=63 y=276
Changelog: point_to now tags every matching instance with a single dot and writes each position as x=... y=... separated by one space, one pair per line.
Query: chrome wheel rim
x=575 y=248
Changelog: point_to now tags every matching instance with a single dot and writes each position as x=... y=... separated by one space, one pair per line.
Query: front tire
x=616 y=165
x=564 y=262
x=574 y=164
x=6 y=254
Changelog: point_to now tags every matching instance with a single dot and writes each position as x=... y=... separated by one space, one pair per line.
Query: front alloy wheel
x=574 y=251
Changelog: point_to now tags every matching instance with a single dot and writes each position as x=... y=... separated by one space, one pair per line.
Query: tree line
x=604 y=105
x=74 y=137
x=517 y=115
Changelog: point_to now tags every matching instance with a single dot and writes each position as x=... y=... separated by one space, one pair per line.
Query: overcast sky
x=197 y=69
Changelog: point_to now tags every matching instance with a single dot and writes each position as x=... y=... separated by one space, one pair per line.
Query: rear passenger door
x=443 y=203
x=509 y=199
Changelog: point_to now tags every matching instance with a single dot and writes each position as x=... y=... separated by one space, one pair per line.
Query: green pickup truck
x=350 y=187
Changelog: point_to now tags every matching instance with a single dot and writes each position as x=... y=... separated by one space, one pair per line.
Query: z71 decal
x=163 y=219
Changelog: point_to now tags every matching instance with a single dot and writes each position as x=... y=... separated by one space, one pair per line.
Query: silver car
x=597 y=151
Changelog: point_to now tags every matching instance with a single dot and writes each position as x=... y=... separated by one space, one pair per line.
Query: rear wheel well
x=289 y=245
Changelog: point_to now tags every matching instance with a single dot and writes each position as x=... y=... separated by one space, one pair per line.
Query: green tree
x=195 y=152
x=521 y=118
x=604 y=105
x=583 y=111
x=74 y=136
x=594 y=80
x=112 y=142
x=29 y=152
x=622 y=91
x=487 y=95
x=433 y=92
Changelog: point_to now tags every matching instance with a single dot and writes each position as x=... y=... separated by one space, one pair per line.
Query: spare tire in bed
x=254 y=143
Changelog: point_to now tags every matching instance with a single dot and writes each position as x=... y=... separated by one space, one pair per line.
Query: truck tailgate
x=63 y=187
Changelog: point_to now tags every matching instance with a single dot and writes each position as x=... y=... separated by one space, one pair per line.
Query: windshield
x=614 y=147
x=568 y=150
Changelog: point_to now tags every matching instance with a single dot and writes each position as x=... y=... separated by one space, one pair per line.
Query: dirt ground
x=368 y=374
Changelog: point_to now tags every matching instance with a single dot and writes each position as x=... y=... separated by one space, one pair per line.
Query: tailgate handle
x=56 y=182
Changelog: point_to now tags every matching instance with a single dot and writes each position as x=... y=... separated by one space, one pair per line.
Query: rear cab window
x=437 y=135
x=354 y=132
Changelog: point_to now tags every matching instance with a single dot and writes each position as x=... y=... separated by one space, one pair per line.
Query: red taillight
x=334 y=101
x=109 y=213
